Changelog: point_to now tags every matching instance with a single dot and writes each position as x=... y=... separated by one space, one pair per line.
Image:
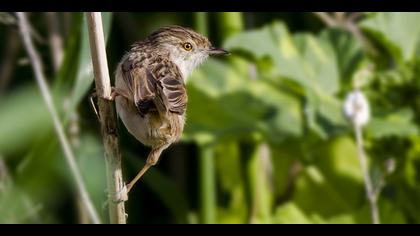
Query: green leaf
x=312 y=188
x=228 y=164
x=334 y=174
x=319 y=60
x=338 y=162
x=264 y=109
x=278 y=47
x=316 y=63
x=90 y=158
x=24 y=118
x=84 y=77
x=42 y=174
x=396 y=32
x=284 y=156
x=324 y=114
x=290 y=213
x=389 y=212
x=347 y=50
x=17 y=207
x=257 y=174
x=69 y=68
x=398 y=123
x=303 y=57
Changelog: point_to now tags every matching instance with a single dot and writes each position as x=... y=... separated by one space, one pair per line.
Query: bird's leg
x=114 y=93
x=152 y=159
x=118 y=92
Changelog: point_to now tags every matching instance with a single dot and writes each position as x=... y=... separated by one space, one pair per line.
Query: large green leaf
x=303 y=58
x=333 y=174
x=396 y=31
x=338 y=162
x=323 y=114
x=319 y=62
x=315 y=63
x=347 y=50
x=224 y=105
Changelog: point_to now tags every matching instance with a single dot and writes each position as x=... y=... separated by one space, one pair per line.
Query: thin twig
x=340 y=16
x=9 y=20
x=347 y=22
x=354 y=16
x=355 y=30
x=327 y=19
x=55 y=39
x=370 y=192
x=46 y=94
x=116 y=189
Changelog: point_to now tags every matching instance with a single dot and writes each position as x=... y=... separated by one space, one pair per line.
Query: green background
x=265 y=139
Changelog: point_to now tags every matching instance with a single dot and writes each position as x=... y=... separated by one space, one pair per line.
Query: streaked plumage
x=151 y=79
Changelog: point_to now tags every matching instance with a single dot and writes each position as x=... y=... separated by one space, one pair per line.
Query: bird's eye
x=187 y=46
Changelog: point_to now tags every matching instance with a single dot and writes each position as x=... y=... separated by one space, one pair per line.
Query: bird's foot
x=121 y=196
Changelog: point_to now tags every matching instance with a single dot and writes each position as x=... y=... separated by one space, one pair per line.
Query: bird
x=150 y=92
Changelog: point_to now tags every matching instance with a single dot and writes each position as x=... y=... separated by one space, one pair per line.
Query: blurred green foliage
x=269 y=118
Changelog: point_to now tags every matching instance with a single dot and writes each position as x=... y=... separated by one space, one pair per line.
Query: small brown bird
x=150 y=92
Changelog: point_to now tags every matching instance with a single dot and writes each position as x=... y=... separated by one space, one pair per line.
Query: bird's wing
x=158 y=85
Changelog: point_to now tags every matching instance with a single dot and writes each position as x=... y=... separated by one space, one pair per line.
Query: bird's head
x=185 y=47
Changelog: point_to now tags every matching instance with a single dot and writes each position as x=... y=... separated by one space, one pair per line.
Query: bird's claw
x=121 y=196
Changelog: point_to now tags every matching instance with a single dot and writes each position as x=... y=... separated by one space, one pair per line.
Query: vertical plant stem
x=231 y=23
x=201 y=21
x=46 y=94
x=326 y=18
x=54 y=39
x=256 y=178
x=207 y=184
x=116 y=190
x=370 y=193
x=82 y=216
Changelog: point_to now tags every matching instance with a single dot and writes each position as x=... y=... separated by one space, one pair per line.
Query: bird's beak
x=217 y=51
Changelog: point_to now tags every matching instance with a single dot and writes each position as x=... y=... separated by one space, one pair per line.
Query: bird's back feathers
x=154 y=82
